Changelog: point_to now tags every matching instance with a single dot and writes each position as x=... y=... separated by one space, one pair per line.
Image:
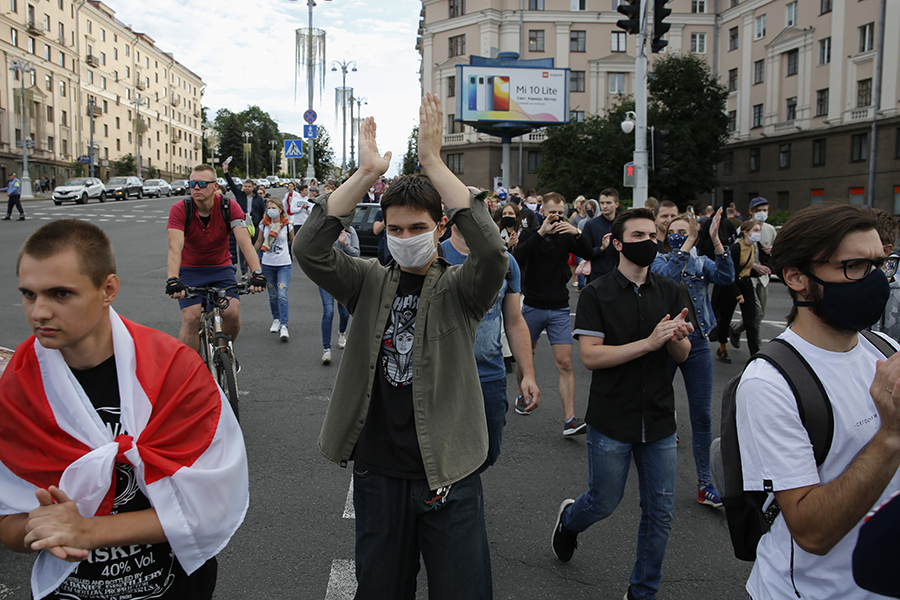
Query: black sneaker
x=734 y=338
x=522 y=405
x=563 y=542
x=21 y=218
x=574 y=426
x=6 y=218
x=723 y=356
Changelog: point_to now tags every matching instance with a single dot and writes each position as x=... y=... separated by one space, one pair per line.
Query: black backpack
x=747 y=522
x=225 y=205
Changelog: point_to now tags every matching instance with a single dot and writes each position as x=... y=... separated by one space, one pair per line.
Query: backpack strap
x=188 y=212
x=881 y=344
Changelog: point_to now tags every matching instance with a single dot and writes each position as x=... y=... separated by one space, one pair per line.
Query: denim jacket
x=697 y=272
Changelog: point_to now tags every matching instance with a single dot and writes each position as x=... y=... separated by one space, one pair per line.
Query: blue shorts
x=197 y=276
x=557 y=322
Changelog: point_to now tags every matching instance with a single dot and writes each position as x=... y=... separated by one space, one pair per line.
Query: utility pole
x=876 y=108
x=344 y=65
x=91 y=104
x=272 y=154
x=359 y=103
x=138 y=102
x=23 y=67
x=640 y=108
x=247 y=136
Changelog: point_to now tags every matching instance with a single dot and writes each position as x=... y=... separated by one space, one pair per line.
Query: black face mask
x=640 y=253
x=590 y=213
x=508 y=222
x=853 y=305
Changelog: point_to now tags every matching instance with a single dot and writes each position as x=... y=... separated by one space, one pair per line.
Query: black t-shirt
x=388 y=443
x=128 y=572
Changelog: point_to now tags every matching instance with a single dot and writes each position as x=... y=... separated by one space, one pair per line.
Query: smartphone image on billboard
x=489 y=93
x=480 y=92
x=473 y=92
x=500 y=93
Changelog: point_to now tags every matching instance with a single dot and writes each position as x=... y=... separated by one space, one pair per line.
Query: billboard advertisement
x=535 y=96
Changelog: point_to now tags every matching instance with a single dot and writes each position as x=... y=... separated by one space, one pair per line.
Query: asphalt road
x=298 y=537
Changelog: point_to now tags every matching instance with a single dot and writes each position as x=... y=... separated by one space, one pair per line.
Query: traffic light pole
x=641 y=162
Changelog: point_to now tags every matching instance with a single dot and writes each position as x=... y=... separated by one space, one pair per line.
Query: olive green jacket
x=447 y=400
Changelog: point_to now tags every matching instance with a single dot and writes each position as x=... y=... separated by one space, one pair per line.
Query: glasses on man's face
x=858 y=268
x=199 y=184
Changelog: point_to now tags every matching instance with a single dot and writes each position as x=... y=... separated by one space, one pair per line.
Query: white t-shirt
x=277 y=255
x=775 y=447
x=294 y=205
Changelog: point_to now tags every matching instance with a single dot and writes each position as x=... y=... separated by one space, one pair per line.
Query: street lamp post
x=247 y=136
x=344 y=65
x=23 y=67
x=359 y=102
x=138 y=102
x=91 y=104
x=311 y=158
x=272 y=153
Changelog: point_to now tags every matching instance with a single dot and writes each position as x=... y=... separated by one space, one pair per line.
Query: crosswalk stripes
x=342 y=579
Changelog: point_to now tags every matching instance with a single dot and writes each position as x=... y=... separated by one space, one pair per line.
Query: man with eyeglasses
x=832 y=260
x=198 y=252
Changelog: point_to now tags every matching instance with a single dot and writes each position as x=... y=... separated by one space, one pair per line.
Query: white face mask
x=761 y=216
x=753 y=237
x=412 y=253
x=273 y=213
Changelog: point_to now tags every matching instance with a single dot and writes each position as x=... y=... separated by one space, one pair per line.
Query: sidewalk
x=4 y=198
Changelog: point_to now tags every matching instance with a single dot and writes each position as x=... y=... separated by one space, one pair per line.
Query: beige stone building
x=800 y=75
x=144 y=101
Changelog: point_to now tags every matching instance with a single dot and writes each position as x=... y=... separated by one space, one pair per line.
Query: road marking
x=349 y=509
x=342 y=581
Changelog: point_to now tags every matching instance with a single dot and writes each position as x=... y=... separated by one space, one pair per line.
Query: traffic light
x=632 y=10
x=660 y=29
x=660 y=158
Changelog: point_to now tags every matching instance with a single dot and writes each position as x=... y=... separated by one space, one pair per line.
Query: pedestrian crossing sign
x=293 y=148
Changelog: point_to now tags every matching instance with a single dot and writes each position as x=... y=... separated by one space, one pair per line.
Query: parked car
x=363 y=221
x=120 y=188
x=222 y=183
x=79 y=190
x=179 y=187
x=273 y=181
x=157 y=188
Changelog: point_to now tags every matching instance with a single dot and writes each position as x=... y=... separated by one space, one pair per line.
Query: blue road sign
x=293 y=148
x=85 y=160
x=310 y=131
x=310 y=116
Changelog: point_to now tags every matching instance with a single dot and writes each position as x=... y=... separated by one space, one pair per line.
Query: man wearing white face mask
x=407 y=406
x=759 y=208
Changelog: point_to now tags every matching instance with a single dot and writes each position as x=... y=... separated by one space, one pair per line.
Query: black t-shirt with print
x=128 y=572
x=388 y=444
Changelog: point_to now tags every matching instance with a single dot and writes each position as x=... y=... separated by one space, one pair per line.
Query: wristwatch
x=257 y=272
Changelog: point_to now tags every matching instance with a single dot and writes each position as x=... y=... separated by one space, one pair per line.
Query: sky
x=244 y=50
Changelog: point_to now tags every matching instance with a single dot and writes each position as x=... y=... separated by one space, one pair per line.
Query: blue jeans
x=495 y=406
x=697 y=372
x=277 y=281
x=608 y=463
x=394 y=527
x=328 y=318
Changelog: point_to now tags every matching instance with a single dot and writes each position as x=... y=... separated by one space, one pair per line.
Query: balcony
x=173 y=101
x=34 y=29
x=92 y=60
x=785 y=126
x=859 y=113
x=197 y=145
x=196 y=113
x=174 y=139
x=535 y=136
x=98 y=110
x=139 y=84
x=454 y=138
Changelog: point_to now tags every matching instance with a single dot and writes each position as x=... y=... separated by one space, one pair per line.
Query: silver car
x=157 y=188
x=79 y=190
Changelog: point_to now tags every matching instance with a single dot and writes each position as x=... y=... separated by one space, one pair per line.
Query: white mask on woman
x=414 y=252
x=753 y=237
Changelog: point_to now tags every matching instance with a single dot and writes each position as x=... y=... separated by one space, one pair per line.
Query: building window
x=784 y=156
x=65 y=148
x=576 y=81
x=102 y=82
x=49 y=114
x=698 y=6
x=754 y=160
x=732 y=80
x=757 y=115
x=115 y=54
x=536 y=40
x=454 y=126
x=619 y=41
x=535 y=4
x=728 y=163
x=102 y=35
x=46 y=52
x=822 y=102
x=457 y=8
x=793 y=62
x=451 y=86
x=534 y=161
x=14 y=37
x=790 y=14
x=62 y=60
x=825 y=6
x=791 y=113
x=31 y=45
x=576 y=116
x=733 y=38
x=760 y=27
x=48 y=83
x=62 y=88
x=897 y=153
x=127 y=50
x=859 y=147
x=732 y=121
x=825 y=51
x=698 y=43
x=90 y=77
x=818 y=153
x=864 y=93
x=89 y=26
x=577 y=41
x=616 y=83
x=103 y=58
x=759 y=71
x=14 y=5
x=105 y=130
x=457 y=45
x=454 y=162
x=579 y=5
x=118 y=145
x=867 y=37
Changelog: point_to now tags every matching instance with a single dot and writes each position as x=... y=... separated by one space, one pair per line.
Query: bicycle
x=216 y=349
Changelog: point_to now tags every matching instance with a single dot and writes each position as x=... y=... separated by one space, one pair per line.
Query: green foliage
x=779 y=217
x=152 y=172
x=77 y=169
x=124 y=166
x=230 y=140
x=411 y=158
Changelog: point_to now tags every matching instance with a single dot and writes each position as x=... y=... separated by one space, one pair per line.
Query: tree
x=124 y=166
x=230 y=139
x=152 y=172
x=689 y=102
x=411 y=158
x=324 y=159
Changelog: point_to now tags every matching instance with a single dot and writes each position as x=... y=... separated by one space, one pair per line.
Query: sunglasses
x=200 y=184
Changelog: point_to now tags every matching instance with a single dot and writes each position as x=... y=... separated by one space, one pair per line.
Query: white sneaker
x=276 y=324
x=284 y=333
x=326 y=357
x=342 y=340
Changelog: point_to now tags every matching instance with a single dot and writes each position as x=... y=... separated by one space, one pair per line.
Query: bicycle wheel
x=226 y=377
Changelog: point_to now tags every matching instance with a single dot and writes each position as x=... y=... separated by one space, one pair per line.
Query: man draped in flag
x=121 y=463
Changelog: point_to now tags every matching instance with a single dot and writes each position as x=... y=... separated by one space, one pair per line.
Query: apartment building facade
x=144 y=101
x=801 y=90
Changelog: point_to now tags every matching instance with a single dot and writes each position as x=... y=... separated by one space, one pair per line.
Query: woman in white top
x=274 y=240
x=297 y=206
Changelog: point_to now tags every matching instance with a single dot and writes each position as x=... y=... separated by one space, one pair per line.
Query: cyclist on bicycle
x=198 y=253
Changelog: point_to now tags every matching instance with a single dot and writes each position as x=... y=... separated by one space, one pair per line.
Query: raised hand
x=431 y=129
x=370 y=160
